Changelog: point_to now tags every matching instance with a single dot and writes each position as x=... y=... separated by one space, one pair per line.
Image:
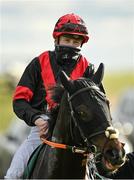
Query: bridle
x=90 y=148
x=110 y=132
x=87 y=140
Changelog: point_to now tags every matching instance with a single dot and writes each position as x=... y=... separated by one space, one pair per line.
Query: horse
x=83 y=134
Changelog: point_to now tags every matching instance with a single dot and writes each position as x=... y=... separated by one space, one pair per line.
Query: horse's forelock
x=86 y=81
x=56 y=92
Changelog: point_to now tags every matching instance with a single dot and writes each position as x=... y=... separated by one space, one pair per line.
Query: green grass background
x=6 y=113
x=114 y=83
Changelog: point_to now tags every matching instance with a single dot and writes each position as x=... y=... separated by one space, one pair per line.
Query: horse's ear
x=65 y=80
x=98 y=76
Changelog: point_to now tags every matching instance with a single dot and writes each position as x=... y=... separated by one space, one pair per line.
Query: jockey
x=31 y=101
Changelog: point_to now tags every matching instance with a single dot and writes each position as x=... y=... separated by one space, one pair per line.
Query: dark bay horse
x=83 y=129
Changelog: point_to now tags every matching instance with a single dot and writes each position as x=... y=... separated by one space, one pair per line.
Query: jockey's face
x=74 y=41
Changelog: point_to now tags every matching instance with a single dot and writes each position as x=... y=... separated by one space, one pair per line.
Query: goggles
x=74 y=28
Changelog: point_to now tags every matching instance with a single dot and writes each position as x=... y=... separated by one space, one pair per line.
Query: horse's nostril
x=111 y=153
x=114 y=156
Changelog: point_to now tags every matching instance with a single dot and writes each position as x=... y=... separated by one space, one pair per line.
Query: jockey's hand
x=43 y=126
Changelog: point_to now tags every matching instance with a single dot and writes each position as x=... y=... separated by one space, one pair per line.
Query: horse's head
x=92 y=125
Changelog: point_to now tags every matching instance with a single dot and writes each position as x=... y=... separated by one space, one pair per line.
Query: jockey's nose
x=71 y=42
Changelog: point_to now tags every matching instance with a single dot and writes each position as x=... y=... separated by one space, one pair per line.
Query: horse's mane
x=56 y=92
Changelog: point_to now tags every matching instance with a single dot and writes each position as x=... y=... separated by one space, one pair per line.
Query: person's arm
x=25 y=91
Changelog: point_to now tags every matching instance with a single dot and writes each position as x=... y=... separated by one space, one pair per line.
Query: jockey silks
x=31 y=96
x=48 y=76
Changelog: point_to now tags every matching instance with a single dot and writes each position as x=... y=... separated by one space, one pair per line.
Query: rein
x=74 y=149
x=89 y=149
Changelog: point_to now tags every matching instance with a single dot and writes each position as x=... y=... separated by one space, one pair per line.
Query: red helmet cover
x=71 y=24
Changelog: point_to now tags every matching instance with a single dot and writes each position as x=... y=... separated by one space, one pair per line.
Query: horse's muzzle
x=114 y=158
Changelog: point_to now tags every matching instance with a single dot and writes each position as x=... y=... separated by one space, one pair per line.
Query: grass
x=117 y=82
x=114 y=83
x=6 y=113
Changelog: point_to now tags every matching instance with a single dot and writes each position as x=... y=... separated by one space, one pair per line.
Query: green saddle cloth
x=32 y=162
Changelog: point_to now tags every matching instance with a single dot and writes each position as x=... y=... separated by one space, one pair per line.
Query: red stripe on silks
x=79 y=69
x=48 y=77
x=22 y=92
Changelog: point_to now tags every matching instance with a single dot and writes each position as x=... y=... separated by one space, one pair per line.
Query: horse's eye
x=82 y=113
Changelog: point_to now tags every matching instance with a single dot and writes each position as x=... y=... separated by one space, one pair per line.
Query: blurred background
x=26 y=31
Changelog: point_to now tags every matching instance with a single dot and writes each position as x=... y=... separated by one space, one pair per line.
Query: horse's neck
x=61 y=129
